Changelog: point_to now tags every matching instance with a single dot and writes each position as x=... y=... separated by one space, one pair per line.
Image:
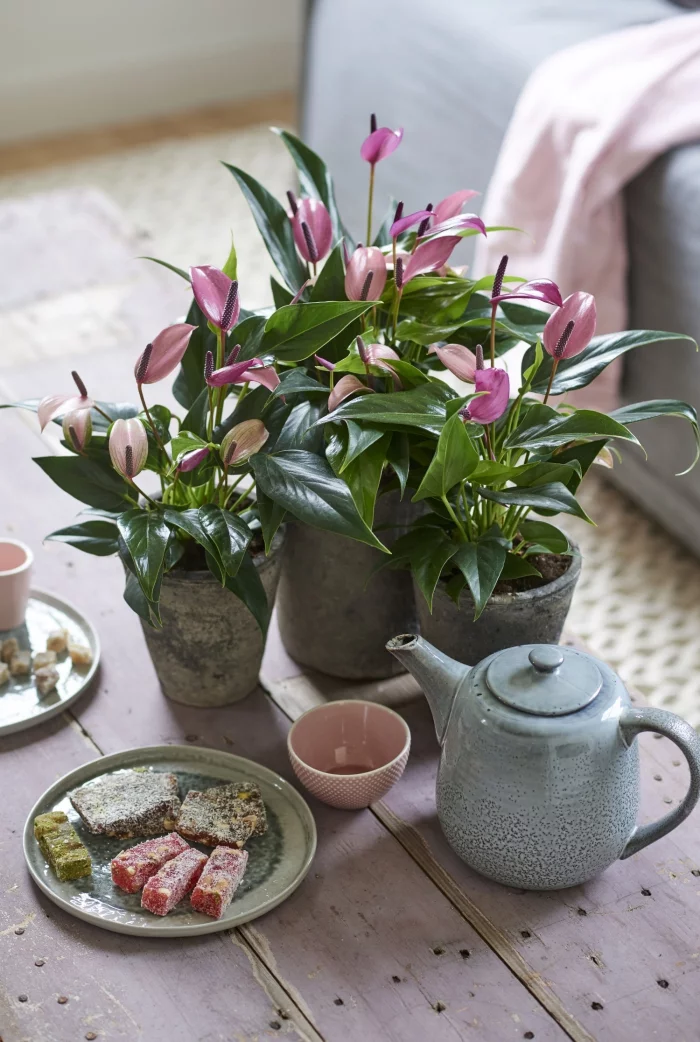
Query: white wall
x=71 y=64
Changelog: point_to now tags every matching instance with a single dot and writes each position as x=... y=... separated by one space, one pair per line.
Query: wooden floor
x=33 y=154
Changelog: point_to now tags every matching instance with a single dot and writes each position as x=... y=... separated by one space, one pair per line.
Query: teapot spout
x=439 y=676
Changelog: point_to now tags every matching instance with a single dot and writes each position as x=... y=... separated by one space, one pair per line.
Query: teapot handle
x=632 y=722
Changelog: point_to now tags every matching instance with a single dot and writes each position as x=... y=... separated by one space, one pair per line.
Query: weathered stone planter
x=331 y=617
x=210 y=648
x=530 y=617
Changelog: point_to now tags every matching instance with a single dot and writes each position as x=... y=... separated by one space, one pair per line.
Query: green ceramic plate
x=21 y=706
x=277 y=862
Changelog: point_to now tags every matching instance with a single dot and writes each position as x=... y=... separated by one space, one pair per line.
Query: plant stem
x=555 y=363
x=395 y=316
x=221 y=391
x=210 y=417
x=156 y=435
x=494 y=308
x=142 y=493
x=458 y=523
x=488 y=443
x=244 y=495
x=369 y=205
x=467 y=512
x=231 y=488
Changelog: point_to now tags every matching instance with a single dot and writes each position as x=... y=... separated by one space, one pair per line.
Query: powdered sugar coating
x=129 y=803
x=219 y=881
x=173 y=882
x=132 y=868
x=224 y=815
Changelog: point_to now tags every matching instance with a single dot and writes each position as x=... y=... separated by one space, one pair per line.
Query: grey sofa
x=450 y=72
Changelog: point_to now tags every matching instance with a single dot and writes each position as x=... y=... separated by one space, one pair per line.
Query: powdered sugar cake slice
x=129 y=803
x=225 y=815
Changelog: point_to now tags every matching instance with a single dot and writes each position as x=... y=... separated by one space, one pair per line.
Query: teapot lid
x=544 y=679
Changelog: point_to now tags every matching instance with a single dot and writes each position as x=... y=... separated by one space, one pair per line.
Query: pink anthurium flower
x=346 y=386
x=161 y=357
x=538 y=289
x=457 y=224
x=261 y=374
x=217 y=296
x=429 y=256
x=192 y=459
x=243 y=441
x=365 y=277
x=77 y=428
x=451 y=205
x=55 y=404
x=404 y=223
x=330 y=366
x=128 y=447
x=490 y=406
x=380 y=143
x=253 y=370
x=313 y=231
x=377 y=354
x=578 y=308
x=458 y=359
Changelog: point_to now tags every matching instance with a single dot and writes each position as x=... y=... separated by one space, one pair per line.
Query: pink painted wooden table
x=390 y=938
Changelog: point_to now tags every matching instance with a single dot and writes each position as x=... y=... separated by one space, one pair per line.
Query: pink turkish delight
x=172 y=882
x=133 y=867
x=219 y=881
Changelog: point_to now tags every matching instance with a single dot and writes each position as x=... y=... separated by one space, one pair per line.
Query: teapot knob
x=546 y=658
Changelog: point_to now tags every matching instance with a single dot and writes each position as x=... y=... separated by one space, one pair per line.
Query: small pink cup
x=349 y=753
x=15 y=571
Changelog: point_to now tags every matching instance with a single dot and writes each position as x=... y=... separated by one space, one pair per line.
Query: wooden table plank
x=366 y=915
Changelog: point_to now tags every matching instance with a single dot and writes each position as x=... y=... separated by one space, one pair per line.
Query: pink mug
x=15 y=571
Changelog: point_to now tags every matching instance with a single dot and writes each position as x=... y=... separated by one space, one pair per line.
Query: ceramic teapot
x=538 y=785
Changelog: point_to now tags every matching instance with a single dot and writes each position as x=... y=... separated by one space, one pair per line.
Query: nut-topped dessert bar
x=225 y=815
x=129 y=803
x=61 y=846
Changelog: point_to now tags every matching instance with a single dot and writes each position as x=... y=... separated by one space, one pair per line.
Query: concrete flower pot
x=331 y=618
x=509 y=619
x=209 y=650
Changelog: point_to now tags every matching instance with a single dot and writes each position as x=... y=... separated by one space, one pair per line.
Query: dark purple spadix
x=498 y=277
x=479 y=353
x=79 y=384
x=563 y=340
x=398 y=273
x=142 y=370
x=230 y=306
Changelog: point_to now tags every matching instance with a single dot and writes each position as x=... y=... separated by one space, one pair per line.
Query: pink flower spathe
x=451 y=205
x=380 y=144
x=580 y=309
x=128 y=446
x=365 y=277
x=217 y=296
x=490 y=406
x=314 y=243
x=164 y=354
x=55 y=404
x=346 y=386
x=458 y=359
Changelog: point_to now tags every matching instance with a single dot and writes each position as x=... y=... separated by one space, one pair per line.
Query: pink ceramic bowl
x=349 y=753
x=15 y=572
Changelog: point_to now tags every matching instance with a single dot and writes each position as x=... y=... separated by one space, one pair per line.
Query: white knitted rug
x=638 y=601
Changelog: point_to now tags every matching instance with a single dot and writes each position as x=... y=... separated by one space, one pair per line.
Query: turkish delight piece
x=21 y=664
x=225 y=815
x=173 y=881
x=10 y=648
x=44 y=658
x=129 y=803
x=61 y=846
x=133 y=867
x=46 y=679
x=219 y=881
x=4 y=672
x=57 y=641
x=80 y=654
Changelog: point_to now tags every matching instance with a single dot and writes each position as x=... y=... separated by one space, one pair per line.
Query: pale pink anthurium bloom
x=313 y=231
x=217 y=296
x=251 y=371
x=365 y=277
x=346 y=386
x=77 y=428
x=380 y=144
x=243 y=441
x=580 y=309
x=161 y=357
x=55 y=404
x=490 y=406
x=381 y=356
x=458 y=359
x=192 y=459
x=429 y=256
x=462 y=222
x=128 y=446
x=451 y=205
x=404 y=223
x=538 y=289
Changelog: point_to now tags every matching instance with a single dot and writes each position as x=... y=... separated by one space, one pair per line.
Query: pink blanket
x=588 y=120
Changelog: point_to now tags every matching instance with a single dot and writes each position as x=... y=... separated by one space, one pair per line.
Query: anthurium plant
x=313 y=408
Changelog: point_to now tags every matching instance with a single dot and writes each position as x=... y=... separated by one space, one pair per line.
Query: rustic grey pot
x=210 y=648
x=332 y=616
x=532 y=617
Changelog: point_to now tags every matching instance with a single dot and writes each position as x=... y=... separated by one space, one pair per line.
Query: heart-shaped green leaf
x=297 y=331
x=146 y=536
x=93 y=537
x=455 y=458
x=90 y=480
